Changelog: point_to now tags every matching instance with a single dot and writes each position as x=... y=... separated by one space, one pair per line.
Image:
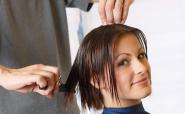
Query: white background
x=163 y=22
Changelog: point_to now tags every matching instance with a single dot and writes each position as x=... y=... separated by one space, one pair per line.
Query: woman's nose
x=139 y=66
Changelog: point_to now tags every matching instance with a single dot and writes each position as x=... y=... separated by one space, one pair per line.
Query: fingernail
x=43 y=88
x=104 y=23
x=110 y=23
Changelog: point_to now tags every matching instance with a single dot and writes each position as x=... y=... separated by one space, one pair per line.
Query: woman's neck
x=122 y=103
x=110 y=102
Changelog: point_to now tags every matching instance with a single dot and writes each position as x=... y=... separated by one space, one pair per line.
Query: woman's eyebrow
x=141 y=49
x=127 y=54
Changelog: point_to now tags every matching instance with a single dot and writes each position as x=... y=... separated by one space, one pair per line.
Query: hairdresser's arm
x=30 y=79
x=113 y=11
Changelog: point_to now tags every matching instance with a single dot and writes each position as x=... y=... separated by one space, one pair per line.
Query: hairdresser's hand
x=35 y=78
x=114 y=11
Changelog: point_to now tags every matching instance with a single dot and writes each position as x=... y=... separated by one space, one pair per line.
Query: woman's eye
x=142 y=55
x=123 y=63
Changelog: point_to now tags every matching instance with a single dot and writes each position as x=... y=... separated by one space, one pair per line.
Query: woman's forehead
x=126 y=43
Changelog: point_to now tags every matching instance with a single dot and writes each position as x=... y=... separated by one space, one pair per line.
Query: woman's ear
x=97 y=83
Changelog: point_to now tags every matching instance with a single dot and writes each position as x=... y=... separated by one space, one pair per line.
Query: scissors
x=62 y=88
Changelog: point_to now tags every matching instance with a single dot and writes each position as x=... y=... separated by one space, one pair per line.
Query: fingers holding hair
x=41 y=78
x=101 y=9
x=126 y=6
x=114 y=11
x=118 y=9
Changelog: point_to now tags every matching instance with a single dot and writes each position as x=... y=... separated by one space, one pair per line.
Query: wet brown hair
x=96 y=53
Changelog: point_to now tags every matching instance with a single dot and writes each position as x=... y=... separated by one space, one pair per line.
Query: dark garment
x=137 y=109
x=35 y=32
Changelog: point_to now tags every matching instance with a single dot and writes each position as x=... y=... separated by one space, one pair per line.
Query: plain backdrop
x=163 y=22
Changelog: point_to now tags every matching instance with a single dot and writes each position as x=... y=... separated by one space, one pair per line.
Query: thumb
x=26 y=89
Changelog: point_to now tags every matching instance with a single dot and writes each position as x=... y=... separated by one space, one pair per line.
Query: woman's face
x=132 y=70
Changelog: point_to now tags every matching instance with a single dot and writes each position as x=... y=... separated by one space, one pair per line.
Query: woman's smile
x=142 y=81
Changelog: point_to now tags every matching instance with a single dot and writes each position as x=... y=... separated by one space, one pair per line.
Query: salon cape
x=137 y=109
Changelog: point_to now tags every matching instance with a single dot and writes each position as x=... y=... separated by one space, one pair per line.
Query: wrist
x=3 y=71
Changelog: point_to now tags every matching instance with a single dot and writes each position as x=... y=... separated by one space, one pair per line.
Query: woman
x=112 y=70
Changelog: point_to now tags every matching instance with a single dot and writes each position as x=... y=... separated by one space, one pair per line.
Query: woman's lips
x=141 y=81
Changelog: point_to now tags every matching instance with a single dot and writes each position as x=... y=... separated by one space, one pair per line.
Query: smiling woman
x=112 y=70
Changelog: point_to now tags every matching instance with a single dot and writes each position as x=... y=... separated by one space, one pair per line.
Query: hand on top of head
x=114 y=11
